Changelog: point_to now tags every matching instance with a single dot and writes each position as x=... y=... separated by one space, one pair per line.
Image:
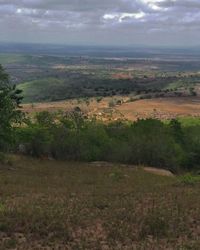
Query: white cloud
x=138 y=15
x=120 y=17
x=153 y=4
x=101 y=21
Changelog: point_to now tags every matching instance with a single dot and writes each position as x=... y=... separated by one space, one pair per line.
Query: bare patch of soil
x=158 y=171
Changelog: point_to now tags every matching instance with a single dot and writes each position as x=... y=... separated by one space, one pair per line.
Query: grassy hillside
x=47 y=89
x=81 y=206
x=11 y=58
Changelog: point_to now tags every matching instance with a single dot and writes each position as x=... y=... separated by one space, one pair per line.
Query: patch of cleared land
x=59 y=205
x=162 y=108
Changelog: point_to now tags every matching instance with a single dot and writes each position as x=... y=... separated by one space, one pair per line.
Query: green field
x=187 y=121
x=47 y=89
x=61 y=205
x=11 y=58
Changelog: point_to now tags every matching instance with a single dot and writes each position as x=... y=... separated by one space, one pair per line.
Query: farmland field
x=59 y=205
x=159 y=108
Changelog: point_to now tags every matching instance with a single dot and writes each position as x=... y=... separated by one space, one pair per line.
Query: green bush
x=149 y=142
x=36 y=140
x=189 y=179
x=10 y=99
x=2 y=158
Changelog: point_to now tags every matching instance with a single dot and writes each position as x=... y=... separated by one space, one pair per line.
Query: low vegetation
x=81 y=206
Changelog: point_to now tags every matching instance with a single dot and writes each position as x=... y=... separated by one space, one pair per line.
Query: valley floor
x=61 y=205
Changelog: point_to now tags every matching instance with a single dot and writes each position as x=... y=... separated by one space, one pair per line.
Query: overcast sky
x=101 y=22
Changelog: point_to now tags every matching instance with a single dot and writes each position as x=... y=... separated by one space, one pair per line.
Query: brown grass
x=60 y=205
x=162 y=108
x=122 y=76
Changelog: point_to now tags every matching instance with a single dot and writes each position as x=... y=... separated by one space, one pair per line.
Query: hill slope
x=81 y=206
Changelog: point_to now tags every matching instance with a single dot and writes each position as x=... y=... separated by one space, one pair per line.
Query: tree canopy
x=10 y=114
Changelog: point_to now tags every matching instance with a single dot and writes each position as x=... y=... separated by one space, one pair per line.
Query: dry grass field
x=161 y=108
x=59 y=205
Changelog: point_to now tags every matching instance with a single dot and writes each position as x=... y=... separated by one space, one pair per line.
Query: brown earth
x=122 y=76
x=162 y=108
x=156 y=171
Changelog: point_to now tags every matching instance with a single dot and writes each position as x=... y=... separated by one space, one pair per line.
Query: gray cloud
x=120 y=22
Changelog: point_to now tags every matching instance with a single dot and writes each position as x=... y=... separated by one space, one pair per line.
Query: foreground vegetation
x=82 y=206
x=71 y=136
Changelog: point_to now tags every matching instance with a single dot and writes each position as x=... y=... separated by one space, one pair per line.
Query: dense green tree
x=176 y=130
x=10 y=114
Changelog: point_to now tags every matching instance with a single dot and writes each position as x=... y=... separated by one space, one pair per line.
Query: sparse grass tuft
x=155 y=225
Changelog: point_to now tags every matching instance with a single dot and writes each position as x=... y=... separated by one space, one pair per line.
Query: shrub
x=36 y=139
x=99 y=99
x=189 y=179
x=152 y=145
x=112 y=104
x=155 y=224
x=45 y=119
x=94 y=143
x=2 y=158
